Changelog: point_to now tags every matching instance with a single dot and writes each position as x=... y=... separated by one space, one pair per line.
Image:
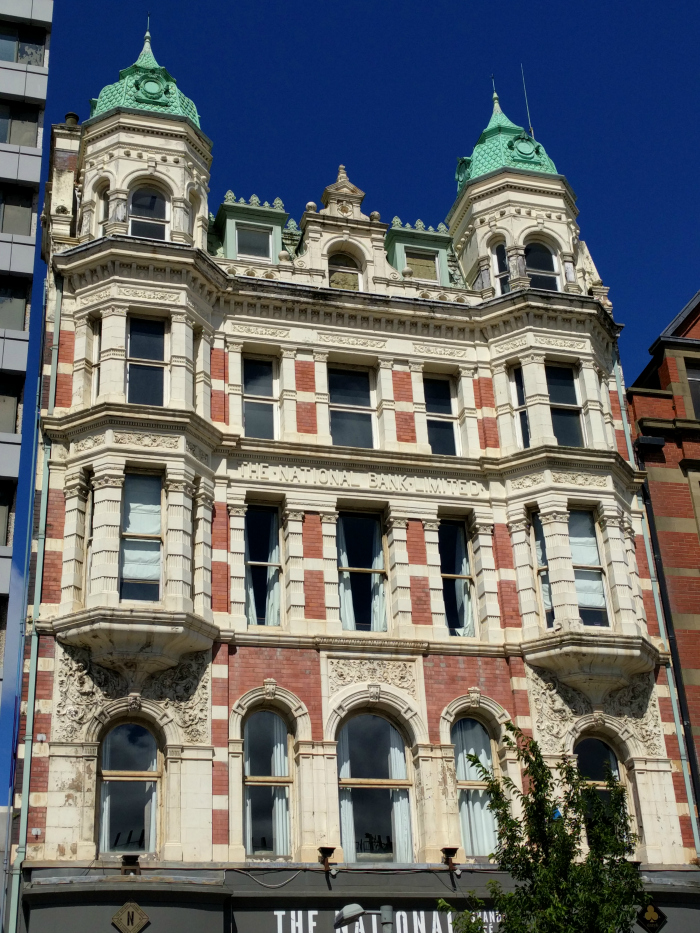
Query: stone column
x=288 y=395
x=177 y=549
x=386 y=413
x=113 y=356
x=485 y=285
x=293 y=572
x=82 y=362
x=518 y=278
x=633 y=565
x=180 y=222
x=323 y=422
x=504 y=409
x=656 y=810
x=107 y=484
x=236 y=839
x=235 y=385
x=419 y=412
x=329 y=523
x=202 y=375
x=398 y=571
x=172 y=817
x=437 y=801
x=488 y=614
x=236 y=512
x=75 y=490
x=467 y=415
x=614 y=559
x=555 y=525
x=569 y=269
x=181 y=361
x=117 y=221
x=537 y=398
x=607 y=385
x=316 y=792
x=591 y=406
x=203 y=505
x=525 y=573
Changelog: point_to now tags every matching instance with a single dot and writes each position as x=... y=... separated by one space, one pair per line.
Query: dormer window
x=423 y=264
x=343 y=272
x=253 y=242
x=501 y=269
x=148 y=214
x=541 y=266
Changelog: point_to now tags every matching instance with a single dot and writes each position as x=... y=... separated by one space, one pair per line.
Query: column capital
x=328 y=517
x=320 y=356
x=289 y=353
x=467 y=370
x=233 y=344
x=179 y=484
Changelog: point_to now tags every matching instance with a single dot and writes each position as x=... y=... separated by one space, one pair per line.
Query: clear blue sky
x=398 y=89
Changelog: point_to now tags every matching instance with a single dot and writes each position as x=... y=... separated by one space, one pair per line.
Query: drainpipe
x=16 y=873
x=689 y=765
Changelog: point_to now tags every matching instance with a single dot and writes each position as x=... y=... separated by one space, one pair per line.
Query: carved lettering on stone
x=345 y=671
x=556 y=708
x=184 y=691
x=580 y=479
x=525 y=482
x=147 y=440
x=83 y=687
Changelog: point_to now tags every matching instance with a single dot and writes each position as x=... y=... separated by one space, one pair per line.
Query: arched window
x=501 y=272
x=375 y=816
x=148 y=214
x=594 y=759
x=267 y=785
x=478 y=824
x=540 y=265
x=343 y=272
x=129 y=773
x=103 y=210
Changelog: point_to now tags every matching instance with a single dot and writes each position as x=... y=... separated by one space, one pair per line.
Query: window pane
x=519 y=387
x=561 y=385
x=369 y=746
x=593 y=755
x=371 y=808
x=259 y=420
x=479 y=836
x=566 y=424
x=348 y=387
x=342 y=260
x=265 y=742
x=547 y=282
x=251 y=242
x=694 y=385
x=540 y=542
x=8 y=414
x=261 y=533
x=143 y=592
x=30 y=48
x=582 y=537
x=424 y=265
x=257 y=377
x=504 y=284
x=501 y=261
x=8 y=43
x=537 y=256
x=452 y=548
x=360 y=533
x=441 y=437
x=127 y=811
x=351 y=429
x=129 y=747
x=458 y=611
x=141 y=564
x=142 y=495
x=267 y=819
x=589 y=589
x=525 y=429
x=145 y=384
x=4 y=122
x=23 y=128
x=17 y=213
x=149 y=230
x=147 y=339
x=438 y=396
x=344 y=279
x=146 y=202
x=469 y=737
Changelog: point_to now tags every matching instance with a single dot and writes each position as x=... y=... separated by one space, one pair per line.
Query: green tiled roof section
x=503 y=144
x=145 y=86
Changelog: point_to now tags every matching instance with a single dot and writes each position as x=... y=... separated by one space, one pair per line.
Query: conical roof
x=145 y=86
x=503 y=144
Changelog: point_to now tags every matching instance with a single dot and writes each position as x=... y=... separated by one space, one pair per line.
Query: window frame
x=370 y=410
x=384 y=572
x=23 y=28
x=520 y=409
x=252 y=780
x=257 y=228
x=600 y=568
x=501 y=277
x=357 y=270
x=495 y=761
x=14 y=111
x=272 y=400
x=469 y=577
x=164 y=223
x=554 y=274
x=21 y=191
x=540 y=569
x=578 y=407
x=693 y=383
x=424 y=253
x=95 y=357
x=259 y=563
x=16 y=284
x=453 y=417
x=128 y=535
x=141 y=361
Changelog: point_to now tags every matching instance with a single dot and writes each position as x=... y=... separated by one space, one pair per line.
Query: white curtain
x=541 y=554
x=280 y=800
x=378 y=608
x=347 y=612
x=272 y=604
x=141 y=559
x=250 y=608
x=478 y=823
x=400 y=808
x=464 y=604
x=105 y=817
x=347 y=818
x=584 y=550
x=248 y=822
x=149 y=842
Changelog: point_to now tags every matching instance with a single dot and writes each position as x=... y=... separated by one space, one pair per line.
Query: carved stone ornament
x=474 y=694
x=580 y=479
x=197 y=453
x=184 y=691
x=251 y=331
x=518 y=344
x=453 y=353
x=345 y=671
x=375 y=692
x=87 y=443
x=557 y=707
x=347 y=341
x=526 y=482
x=147 y=440
x=561 y=344
x=270 y=688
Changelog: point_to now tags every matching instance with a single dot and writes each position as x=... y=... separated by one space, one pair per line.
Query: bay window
x=361 y=572
x=544 y=587
x=478 y=823
x=129 y=774
x=540 y=265
x=522 y=422
x=146 y=361
x=502 y=274
x=262 y=565
x=439 y=406
x=350 y=407
x=258 y=405
x=141 y=538
x=564 y=405
x=148 y=214
x=457 y=580
x=589 y=573
x=267 y=785
x=375 y=815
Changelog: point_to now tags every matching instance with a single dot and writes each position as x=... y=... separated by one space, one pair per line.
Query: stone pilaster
x=525 y=573
x=488 y=614
x=323 y=422
x=75 y=490
x=591 y=406
x=288 y=395
x=467 y=415
x=386 y=407
x=537 y=398
x=316 y=791
x=614 y=559
x=504 y=409
x=555 y=525
x=236 y=513
x=113 y=356
x=398 y=569
x=82 y=362
x=329 y=524
x=107 y=485
x=293 y=575
x=181 y=361
x=431 y=527
x=438 y=810
x=203 y=505
x=236 y=792
x=235 y=385
x=419 y=412
x=179 y=492
x=202 y=375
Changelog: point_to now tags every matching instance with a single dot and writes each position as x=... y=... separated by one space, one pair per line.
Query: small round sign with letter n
x=130 y=918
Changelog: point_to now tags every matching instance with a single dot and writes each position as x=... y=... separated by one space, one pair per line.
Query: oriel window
x=146 y=361
x=129 y=772
x=588 y=570
x=439 y=406
x=343 y=272
x=375 y=815
x=564 y=405
x=519 y=407
x=457 y=580
x=252 y=242
x=361 y=572
x=148 y=214
x=544 y=586
x=259 y=412
x=502 y=272
x=478 y=824
x=351 y=408
x=142 y=538
x=267 y=785
x=540 y=265
x=262 y=565
x=423 y=263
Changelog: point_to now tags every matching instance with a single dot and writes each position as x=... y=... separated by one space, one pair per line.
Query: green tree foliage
x=568 y=852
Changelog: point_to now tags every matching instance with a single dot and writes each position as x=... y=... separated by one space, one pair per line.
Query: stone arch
x=474 y=706
x=370 y=698
x=617 y=734
x=349 y=245
x=147 y=713
x=139 y=177
x=276 y=699
x=552 y=240
x=496 y=236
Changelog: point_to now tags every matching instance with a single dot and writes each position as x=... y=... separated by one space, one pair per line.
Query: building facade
x=328 y=505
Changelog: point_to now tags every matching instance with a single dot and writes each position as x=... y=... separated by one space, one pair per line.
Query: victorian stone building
x=328 y=505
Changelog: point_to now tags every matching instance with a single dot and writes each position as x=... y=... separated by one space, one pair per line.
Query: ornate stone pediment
x=345 y=671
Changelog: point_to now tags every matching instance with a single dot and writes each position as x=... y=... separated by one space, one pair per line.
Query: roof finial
x=496 y=104
x=342 y=174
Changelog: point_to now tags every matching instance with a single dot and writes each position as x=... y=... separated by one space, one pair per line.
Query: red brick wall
x=405 y=427
x=306 y=418
x=64 y=390
x=314 y=595
x=66 y=346
x=219 y=397
x=39 y=778
x=420 y=601
x=312 y=535
x=403 y=385
x=305 y=374
x=415 y=543
x=487 y=425
x=507 y=589
x=220 y=579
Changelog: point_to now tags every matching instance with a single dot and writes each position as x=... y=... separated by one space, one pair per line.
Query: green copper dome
x=503 y=145
x=145 y=86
